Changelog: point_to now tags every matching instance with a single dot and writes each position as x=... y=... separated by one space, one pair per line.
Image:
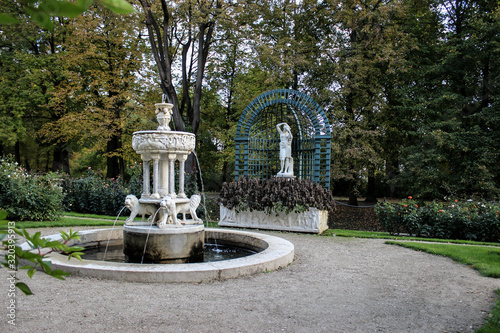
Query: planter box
x=312 y=221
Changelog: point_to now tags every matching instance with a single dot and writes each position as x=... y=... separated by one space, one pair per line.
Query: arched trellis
x=257 y=140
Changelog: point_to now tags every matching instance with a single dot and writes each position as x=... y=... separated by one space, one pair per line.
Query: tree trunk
x=371 y=195
x=204 y=42
x=17 y=152
x=224 y=172
x=47 y=161
x=190 y=166
x=353 y=198
x=391 y=172
x=60 y=160
x=114 y=162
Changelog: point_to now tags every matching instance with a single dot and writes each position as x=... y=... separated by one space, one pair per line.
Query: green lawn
x=485 y=259
x=492 y=324
x=94 y=216
x=386 y=235
x=66 y=222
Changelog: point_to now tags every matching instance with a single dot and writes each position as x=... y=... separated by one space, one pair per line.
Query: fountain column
x=171 y=159
x=182 y=159
x=164 y=176
x=146 y=177
x=156 y=160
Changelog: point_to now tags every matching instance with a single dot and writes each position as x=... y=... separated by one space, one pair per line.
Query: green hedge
x=26 y=196
x=94 y=194
x=470 y=220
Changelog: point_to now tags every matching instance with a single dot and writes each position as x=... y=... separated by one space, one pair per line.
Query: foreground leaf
x=7 y=19
x=61 y=8
x=59 y=274
x=118 y=6
x=24 y=288
x=40 y=17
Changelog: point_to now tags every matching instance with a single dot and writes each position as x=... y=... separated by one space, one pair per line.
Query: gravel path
x=334 y=285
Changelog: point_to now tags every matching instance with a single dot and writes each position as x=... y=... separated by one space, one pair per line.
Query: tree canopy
x=410 y=87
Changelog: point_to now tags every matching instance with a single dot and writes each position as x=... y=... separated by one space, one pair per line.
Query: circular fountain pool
x=272 y=253
x=212 y=251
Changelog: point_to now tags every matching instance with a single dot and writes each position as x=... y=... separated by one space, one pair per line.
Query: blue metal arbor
x=257 y=140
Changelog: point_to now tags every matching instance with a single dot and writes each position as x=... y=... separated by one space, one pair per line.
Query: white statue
x=170 y=210
x=286 y=159
x=190 y=208
x=136 y=208
x=167 y=206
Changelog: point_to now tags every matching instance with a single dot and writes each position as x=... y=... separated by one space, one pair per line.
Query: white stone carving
x=190 y=208
x=286 y=159
x=169 y=211
x=170 y=208
x=163 y=114
x=312 y=220
x=136 y=208
x=159 y=142
x=159 y=150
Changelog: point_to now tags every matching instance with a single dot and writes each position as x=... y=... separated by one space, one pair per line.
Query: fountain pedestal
x=172 y=244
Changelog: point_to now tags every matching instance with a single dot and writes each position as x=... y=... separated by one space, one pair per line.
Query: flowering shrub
x=275 y=195
x=25 y=196
x=450 y=220
x=94 y=194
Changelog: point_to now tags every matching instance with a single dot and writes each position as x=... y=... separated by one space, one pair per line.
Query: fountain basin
x=159 y=142
x=274 y=253
x=152 y=244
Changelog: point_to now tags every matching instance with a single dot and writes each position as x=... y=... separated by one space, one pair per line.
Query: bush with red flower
x=451 y=219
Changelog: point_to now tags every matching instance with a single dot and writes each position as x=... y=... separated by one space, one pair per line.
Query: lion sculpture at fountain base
x=136 y=208
x=170 y=209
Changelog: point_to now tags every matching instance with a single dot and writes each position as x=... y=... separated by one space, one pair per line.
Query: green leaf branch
x=42 y=11
x=35 y=256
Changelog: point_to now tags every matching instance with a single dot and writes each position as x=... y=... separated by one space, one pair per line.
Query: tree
x=182 y=35
x=363 y=43
x=454 y=148
x=31 y=71
x=409 y=88
x=69 y=87
x=285 y=40
x=226 y=72
x=102 y=67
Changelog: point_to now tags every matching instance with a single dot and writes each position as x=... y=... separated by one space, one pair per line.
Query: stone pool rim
x=276 y=253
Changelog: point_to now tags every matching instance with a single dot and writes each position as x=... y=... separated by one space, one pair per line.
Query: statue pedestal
x=285 y=175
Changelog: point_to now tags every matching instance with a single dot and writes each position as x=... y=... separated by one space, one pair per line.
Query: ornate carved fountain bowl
x=155 y=142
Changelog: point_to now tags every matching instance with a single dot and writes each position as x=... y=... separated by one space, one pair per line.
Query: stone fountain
x=163 y=237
